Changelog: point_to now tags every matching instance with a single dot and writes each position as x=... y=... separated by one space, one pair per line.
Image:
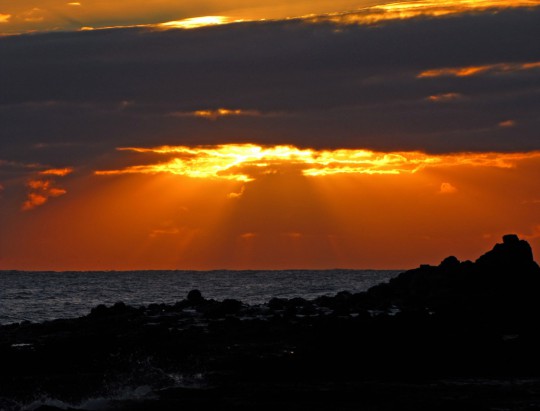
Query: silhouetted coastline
x=461 y=335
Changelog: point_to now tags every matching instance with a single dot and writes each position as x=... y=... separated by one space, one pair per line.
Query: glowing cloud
x=196 y=22
x=164 y=231
x=447 y=188
x=412 y=9
x=441 y=98
x=238 y=194
x=60 y=172
x=33 y=16
x=217 y=113
x=244 y=162
x=40 y=190
x=469 y=71
x=4 y=18
x=507 y=123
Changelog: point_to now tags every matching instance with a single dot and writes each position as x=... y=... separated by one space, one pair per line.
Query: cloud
x=19 y=165
x=329 y=91
x=507 y=123
x=245 y=162
x=248 y=236
x=196 y=22
x=470 y=71
x=447 y=188
x=60 y=172
x=238 y=194
x=444 y=97
x=4 y=18
x=40 y=190
x=420 y=8
x=217 y=113
x=34 y=15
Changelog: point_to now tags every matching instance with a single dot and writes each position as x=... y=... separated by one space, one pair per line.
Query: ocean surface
x=40 y=296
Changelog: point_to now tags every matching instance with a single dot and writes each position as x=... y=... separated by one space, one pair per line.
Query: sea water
x=43 y=295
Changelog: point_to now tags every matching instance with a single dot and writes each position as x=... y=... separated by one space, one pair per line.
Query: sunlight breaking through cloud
x=214 y=114
x=197 y=22
x=422 y=8
x=469 y=71
x=243 y=162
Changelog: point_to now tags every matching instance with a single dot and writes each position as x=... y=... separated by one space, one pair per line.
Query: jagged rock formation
x=502 y=284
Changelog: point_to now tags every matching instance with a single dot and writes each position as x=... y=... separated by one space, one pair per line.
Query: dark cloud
x=74 y=96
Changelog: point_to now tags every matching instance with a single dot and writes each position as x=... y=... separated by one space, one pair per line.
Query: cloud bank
x=334 y=86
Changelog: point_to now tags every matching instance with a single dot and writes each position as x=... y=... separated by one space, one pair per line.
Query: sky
x=249 y=134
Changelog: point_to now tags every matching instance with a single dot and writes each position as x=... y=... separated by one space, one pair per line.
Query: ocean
x=38 y=296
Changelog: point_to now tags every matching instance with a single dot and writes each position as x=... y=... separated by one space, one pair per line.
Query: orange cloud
x=469 y=71
x=215 y=114
x=507 y=123
x=238 y=194
x=421 y=8
x=40 y=194
x=190 y=14
x=447 y=188
x=438 y=98
x=40 y=190
x=248 y=236
x=164 y=231
x=244 y=162
x=33 y=200
x=35 y=15
x=60 y=172
x=38 y=184
x=196 y=22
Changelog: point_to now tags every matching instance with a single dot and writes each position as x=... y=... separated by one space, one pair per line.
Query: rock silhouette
x=400 y=344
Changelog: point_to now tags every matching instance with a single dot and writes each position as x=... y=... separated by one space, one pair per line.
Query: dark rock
x=99 y=311
x=450 y=263
x=277 y=303
x=231 y=306
x=513 y=254
x=195 y=297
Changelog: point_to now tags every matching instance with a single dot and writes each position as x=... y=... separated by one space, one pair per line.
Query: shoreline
x=424 y=338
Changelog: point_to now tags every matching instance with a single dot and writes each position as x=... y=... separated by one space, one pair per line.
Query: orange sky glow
x=46 y=15
x=242 y=206
x=255 y=134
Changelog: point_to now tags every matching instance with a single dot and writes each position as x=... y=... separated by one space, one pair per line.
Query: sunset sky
x=249 y=134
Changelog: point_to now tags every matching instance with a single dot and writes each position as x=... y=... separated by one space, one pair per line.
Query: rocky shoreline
x=461 y=335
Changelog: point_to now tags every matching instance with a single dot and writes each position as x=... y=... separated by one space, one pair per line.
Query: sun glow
x=244 y=162
x=197 y=22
